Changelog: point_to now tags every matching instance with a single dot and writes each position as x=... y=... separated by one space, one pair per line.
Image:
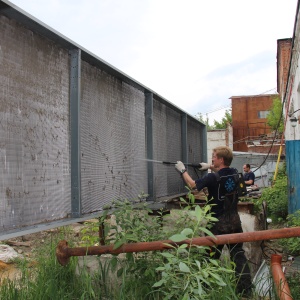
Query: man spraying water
x=223 y=193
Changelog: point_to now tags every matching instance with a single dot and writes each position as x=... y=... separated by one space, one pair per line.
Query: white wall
x=215 y=138
x=219 y=137
x=292 y=97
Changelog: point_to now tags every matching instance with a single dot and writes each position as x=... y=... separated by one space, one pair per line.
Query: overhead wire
x=211 y=111
x=267 y=91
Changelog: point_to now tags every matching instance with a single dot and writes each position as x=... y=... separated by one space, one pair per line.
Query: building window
x=262 y=114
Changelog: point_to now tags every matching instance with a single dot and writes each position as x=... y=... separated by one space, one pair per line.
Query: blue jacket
x=218 y=189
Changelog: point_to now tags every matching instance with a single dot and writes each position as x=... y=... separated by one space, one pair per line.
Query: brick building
x=249 y=124
x=250 y=130
x=283 y=63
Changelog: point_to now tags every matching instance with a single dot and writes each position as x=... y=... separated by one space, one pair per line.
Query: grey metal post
x=149 y=142
x=184 y=141
x=204 y=144
x=75 y=92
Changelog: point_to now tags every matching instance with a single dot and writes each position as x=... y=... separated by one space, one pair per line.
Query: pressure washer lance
x=194 y=166
x=189 y=165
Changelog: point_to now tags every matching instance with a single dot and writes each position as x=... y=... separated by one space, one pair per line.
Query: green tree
x=217 y=125
x=225 y=120
x=200 y=117
x=274 y=117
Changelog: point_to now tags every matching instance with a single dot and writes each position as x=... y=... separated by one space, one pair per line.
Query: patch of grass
x=293 y=281
x=47 y=279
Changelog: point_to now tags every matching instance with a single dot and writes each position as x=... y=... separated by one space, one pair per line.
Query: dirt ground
x=25 y=246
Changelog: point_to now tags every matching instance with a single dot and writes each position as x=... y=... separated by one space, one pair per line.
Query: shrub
x=292 y=245
x=188 y=271
x=276 y=197
x=181 y=272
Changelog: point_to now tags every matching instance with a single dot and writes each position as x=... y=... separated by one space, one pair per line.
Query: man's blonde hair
x=225 y=153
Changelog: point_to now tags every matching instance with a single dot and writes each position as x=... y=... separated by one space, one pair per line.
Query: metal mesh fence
x=195 y=140
x=36 y=130
x=167 y=147
x=112 y=140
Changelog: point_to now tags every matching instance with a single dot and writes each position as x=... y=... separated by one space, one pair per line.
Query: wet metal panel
x=166 y=147
x=195 y=140
x=113 y=164
x=34 y=128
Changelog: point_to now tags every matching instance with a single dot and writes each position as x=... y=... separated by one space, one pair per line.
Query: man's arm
x=180 y=167
x=250 y=180
x=188 y=180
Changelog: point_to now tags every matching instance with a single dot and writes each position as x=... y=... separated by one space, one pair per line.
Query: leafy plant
x=165 y=275
x=131 y=222
x=188 y=271
x=292 y=245
x=274 y=117
x=293 y=281
x=276 y=197
x=127 y=222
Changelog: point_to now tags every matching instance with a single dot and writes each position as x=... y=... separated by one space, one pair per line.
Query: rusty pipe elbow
x=281 y=284
x=62 y=254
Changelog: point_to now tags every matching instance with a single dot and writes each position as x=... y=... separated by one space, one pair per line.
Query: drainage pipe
x=63 y=252
x=281 y=284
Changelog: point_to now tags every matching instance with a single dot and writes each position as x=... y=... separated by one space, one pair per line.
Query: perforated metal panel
x=34 y=128
x=195 y=140
x=167 y=147
x=112 y=140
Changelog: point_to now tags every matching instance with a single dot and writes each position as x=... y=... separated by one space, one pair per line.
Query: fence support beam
x=184 y=140
x=206 y=157
x=75 y=92
x=149 y=143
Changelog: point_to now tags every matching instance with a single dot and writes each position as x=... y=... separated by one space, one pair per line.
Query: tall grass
x=47 y=279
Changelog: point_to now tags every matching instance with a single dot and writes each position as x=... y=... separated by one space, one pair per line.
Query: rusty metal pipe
x=281 y=284
x=63 y=252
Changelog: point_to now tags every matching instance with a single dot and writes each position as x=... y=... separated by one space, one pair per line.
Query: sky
x=194 y=53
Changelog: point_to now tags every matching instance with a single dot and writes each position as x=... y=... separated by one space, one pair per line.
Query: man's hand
x=204 y=166
x=180 y=167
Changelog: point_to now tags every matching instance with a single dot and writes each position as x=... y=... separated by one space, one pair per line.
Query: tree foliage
x=216 y=125
x=200 y=117
x=225 y=120
x=274 y=117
